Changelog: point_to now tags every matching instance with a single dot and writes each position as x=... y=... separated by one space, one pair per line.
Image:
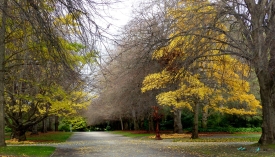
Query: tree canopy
x=210 y=76
x=44 y=47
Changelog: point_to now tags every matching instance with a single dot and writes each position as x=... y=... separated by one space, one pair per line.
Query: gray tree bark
x=204 y=117
x=254 y=41
x=56 y=123
x=19 y=134
x=121 y=123
x=195 y=131
x=135 y=121
x=44 y=126
x=50 y=128
x=268 y=99
x=34 y=129
x=177 y=121
x=3 y=3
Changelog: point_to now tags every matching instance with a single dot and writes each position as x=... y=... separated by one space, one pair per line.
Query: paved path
x=104 y=144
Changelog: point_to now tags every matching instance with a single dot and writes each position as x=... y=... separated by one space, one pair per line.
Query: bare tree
x=131 y=62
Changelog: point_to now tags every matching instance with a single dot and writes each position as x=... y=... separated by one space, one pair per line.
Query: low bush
x=108 y=128
x=64 y=127
x=7 y=129
x=254 y=129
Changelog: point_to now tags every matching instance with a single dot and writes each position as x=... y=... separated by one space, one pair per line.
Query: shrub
x=108 y=128
x=7 y=129
x=64 y=127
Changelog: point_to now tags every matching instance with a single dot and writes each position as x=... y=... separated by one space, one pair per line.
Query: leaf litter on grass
x=222 y=149
x=222 y=145
x=175 y=135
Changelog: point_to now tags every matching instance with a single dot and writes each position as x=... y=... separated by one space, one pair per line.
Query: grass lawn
x=212 y=144
x=50 y=137
x=221 y=145
x=133 y=134
x=34 y=151
x=226 y=149
x=220 y=138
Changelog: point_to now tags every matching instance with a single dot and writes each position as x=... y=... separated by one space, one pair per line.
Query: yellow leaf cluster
x=156 y=81
x=213 y=76
x=67 y=104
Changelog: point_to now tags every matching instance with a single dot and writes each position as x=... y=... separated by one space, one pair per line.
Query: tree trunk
x=50 y=124
x=121 y=123
x=3 y=3
x=34 y=129
x=136 y=126
x=56 y=123
x=151 y=124
x=44 y=126
x=19 y=134
x=268 y=108
x=126 y=125
x=177 y=121
x=195 y=131
x=204 y=117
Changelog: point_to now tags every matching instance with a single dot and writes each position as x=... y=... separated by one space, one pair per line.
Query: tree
x=37 y=20
x=30 y=99
x=125 y=69
x=3 y=3
x=177 y=120
x=194 y=63
x=249 y=37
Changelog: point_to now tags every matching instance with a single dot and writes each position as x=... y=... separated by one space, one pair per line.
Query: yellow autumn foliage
x=156 y=81
x=67 y=104
x=217 y=79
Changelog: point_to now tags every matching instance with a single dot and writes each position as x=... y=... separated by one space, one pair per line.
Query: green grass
x=225 y=150
x=239 y=139
x=131 y=134
x=7 y=136
x=246 y=135
x=270 y=146
x=50 y=137
x=221 y=146
x=33 y=151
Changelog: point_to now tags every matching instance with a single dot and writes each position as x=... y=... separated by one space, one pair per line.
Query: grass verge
x=226 y=145
x=50 y=137
x=240 y=139
x=132 y=134
x=32 y=151
x=221 y=149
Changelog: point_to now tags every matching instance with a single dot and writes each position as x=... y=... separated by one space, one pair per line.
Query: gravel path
x=104 y=144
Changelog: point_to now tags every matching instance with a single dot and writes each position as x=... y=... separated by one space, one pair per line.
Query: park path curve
x=104 y=144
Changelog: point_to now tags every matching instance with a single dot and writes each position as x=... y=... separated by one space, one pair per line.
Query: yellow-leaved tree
x=38 y=84
x=203 y=76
